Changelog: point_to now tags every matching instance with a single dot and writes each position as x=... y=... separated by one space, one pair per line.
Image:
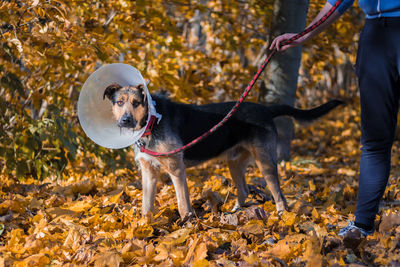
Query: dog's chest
x=140 y=156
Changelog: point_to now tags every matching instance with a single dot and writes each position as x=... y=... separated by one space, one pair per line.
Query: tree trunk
x=280 y=79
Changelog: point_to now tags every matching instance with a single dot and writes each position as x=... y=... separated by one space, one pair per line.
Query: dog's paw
x=281 y=207
x=238 y=207
x=189 y=217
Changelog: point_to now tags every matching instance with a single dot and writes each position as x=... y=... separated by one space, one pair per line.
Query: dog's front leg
x=182 y=193
x=177 y=171
x=149 y=184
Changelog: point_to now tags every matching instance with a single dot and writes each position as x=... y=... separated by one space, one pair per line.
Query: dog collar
x=149 y=126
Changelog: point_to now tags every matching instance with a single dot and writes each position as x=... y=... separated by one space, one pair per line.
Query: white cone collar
x=95 y=114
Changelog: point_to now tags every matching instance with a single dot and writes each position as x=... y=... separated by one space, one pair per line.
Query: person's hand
x=277 y=42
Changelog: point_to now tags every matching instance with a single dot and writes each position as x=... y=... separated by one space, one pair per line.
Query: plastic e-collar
x=95 y=113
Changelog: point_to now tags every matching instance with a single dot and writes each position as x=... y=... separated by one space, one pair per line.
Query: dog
x=249 y=134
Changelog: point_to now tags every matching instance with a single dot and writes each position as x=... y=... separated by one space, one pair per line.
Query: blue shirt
x=372 y=8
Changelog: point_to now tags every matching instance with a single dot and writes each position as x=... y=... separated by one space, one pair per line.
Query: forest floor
x=94 y=219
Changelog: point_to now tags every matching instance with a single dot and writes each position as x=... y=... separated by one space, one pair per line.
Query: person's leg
x=379 y=91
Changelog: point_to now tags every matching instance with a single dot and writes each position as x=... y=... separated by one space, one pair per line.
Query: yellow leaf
x=35 y=203
x=178 y=236
x=287 y=247
x=347 y=132
x=312 y=254
x=331 y=209
x=16 y=205
x=320 y=231
x=116 y=198
x=314 y=170
x=35 y=260
x=177 y=256
x=315 y=214
x=80 y=206
x=348 y=192
x=255 y=227
x=141 y=230
x=289 y=218
x=107 y=259
x=191 y=250
x=346 y=171
x=163 y=252
x=4 y=207
x=41 y=12
x=311 y=185
x=251 y=259
x=201 y=263
x=77 y=235
x=56 y=212
x=83 y=187
x=15 y=244
x=129 y=256
x=200 y=252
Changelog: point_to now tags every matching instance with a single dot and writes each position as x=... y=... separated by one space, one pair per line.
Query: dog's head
x=130 y=107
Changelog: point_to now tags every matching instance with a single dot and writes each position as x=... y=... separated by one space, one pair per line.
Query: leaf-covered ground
x=94 y=219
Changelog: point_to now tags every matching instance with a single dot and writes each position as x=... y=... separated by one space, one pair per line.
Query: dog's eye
x=135 y=104
x=120 y=103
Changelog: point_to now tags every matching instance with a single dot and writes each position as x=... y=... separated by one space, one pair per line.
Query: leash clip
x=140 y=143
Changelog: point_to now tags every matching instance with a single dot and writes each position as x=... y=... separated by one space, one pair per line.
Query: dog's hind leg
x=237 y=163
x=149 y=184
x=265 y=156
x=176 y=169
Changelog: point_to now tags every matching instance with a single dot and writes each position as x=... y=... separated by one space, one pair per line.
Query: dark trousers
x=378 y=71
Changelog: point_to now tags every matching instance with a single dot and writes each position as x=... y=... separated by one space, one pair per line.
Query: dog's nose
x=126 y=121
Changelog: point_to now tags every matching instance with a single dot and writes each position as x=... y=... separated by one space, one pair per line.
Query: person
x=378 y=72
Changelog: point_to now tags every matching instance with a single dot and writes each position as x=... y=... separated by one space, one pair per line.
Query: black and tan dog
x=249 y=134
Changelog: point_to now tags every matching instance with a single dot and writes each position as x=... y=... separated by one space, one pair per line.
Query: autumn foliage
x=66 y=201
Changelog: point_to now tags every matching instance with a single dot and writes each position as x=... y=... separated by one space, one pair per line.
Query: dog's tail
x=304 y=115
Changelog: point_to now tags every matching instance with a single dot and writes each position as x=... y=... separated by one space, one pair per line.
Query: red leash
x=245 y=93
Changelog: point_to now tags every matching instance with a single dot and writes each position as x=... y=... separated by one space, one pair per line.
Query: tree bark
x=279 y=82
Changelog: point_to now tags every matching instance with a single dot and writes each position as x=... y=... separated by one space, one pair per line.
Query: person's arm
x=276 y=43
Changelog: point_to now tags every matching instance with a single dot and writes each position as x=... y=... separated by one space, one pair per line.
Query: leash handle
x=246 y=91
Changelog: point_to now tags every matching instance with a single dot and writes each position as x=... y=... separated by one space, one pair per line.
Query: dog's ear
x=110 y=90
x=142 y=89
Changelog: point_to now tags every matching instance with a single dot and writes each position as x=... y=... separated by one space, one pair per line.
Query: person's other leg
x=379 y=91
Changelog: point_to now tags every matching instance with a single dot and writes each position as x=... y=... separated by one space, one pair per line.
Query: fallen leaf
x=80 y=206
x=346 y=171
x=289 y=218
x=388 y=221
x=35 y=260
x=107 y=259
x=201 y=263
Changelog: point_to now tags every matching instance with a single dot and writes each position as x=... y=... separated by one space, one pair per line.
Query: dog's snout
x=127 y=121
